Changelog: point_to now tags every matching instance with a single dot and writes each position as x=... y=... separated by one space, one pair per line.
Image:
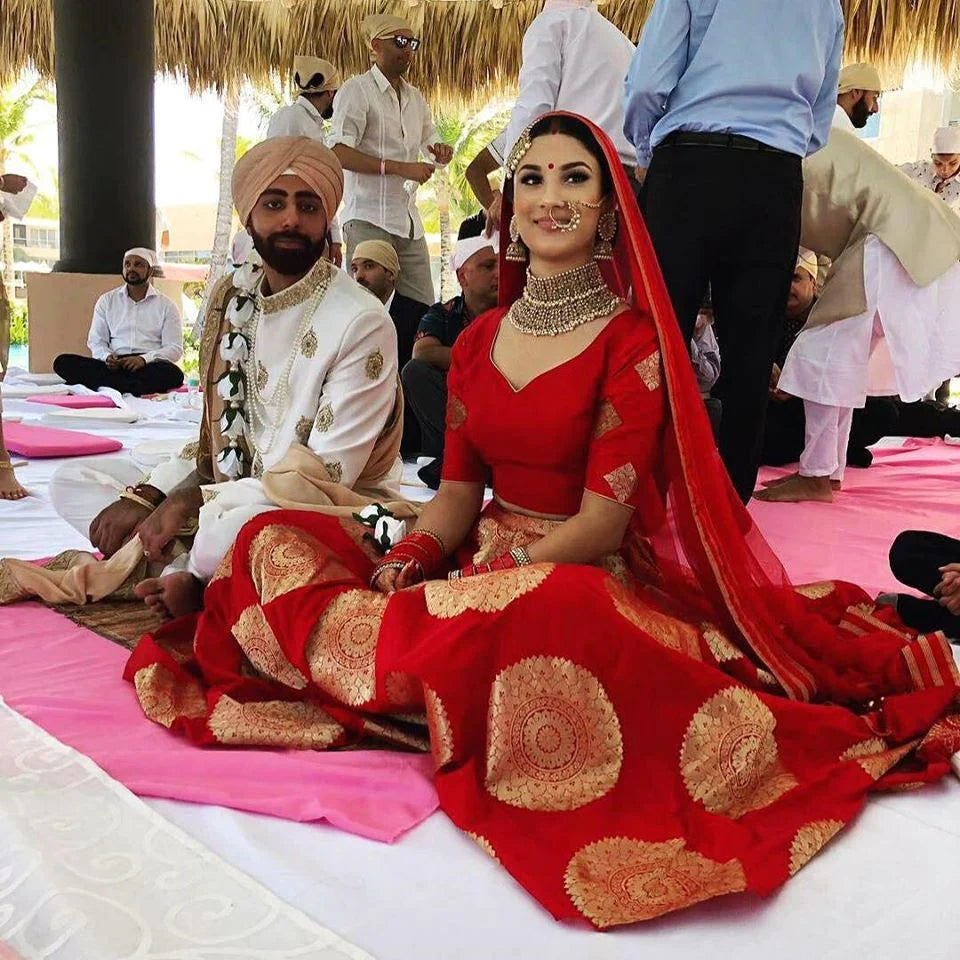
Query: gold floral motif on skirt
x=553 y=737
x=342 y=648
x=485 y=593
x=165 y=697
x=876 y=757
x=499 y=534
x=402 y=690
x=441 y=733
x=283 y=558
x=667 y=631
x=810 y=839
x=263 y=650
x=729 y=758
x=484 y=844
x=721 y=648
x=275 y=723
x=619 y=880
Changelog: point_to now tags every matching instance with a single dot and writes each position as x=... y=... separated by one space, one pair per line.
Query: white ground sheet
x=886 y=889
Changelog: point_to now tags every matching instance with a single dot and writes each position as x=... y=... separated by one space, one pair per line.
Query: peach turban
x=303 y=157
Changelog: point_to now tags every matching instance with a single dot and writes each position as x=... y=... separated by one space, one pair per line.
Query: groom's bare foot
x=797 y=489
x=174 y=595
x=835 y=485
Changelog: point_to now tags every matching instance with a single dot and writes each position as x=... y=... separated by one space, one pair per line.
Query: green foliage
x=45 y=207
x=15 y=134
x=19 y=328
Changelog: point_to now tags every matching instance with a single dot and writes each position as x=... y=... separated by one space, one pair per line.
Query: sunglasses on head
x=403 y=42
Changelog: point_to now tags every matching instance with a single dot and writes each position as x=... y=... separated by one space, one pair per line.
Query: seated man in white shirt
x=136 y=337
x=858 y=96
x=381 y=128
x=316 y=81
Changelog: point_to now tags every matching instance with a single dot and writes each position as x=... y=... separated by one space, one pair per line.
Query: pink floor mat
x=68 y=681
x=913 y=487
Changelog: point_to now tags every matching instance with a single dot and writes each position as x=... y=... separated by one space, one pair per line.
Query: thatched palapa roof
x=471 y=50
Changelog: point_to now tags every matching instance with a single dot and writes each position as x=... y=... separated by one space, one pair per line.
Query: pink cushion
x=29 y=440
x=76 y=403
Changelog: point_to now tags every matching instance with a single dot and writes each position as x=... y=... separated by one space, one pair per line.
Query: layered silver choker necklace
x=553 y=305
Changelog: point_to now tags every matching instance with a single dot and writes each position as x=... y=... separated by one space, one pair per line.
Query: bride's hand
x=391 y=579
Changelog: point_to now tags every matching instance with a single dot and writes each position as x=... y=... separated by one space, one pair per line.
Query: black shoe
x=430 y=473
x=859 y=457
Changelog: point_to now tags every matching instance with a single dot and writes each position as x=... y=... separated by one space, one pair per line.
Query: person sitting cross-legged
x=425 y=376
x=136 y=337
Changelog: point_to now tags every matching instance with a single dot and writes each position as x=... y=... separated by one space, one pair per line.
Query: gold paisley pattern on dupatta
x=485 y=593
x=667 y=631
x=499 y=534
x=619 y=880
x=877 y=757
x=810 y=839
x=258 y=641
x=342 y=648
x=721 y=648
x=225 y=570
x=553 y=737
x=164 y=697
x=484 y=844
x=441 y=733
x=816 y=591
x=275 y=723
x=729 y=758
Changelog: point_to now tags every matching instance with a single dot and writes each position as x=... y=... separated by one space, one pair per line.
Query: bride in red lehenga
x=629 y=705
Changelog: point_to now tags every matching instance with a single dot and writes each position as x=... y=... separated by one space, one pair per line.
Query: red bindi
x=549 y=166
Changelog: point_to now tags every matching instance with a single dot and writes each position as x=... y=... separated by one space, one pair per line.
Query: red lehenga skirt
x=619 y=760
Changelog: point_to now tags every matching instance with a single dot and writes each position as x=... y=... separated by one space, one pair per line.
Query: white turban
x=143 y=253
x=807 y=260
x=467 y=247
x=859 y=76
x=947 y=140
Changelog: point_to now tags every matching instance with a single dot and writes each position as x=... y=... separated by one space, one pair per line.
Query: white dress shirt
x=925 y=173
x=842 y=120
x=123 y=326
x=369 y=115
x=573 y=59
x=302 y=119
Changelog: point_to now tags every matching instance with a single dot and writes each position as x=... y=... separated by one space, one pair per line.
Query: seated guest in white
x=301 y=392
x=858 y=96
x=705 y=356
x=939 y=173
x=376 y=267
x=136 y=337
x=425 y=376
x=316 y=82
x=887 y=322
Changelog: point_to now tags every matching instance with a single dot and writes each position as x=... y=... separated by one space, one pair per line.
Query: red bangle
x=506 y=561
x=423 y=548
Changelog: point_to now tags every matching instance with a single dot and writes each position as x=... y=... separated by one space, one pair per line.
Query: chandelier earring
x=516 y=251
x=606 y=231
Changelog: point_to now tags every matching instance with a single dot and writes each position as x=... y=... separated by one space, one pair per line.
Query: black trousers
x=156 y=377
x=915 y=559
x=425 y=389
x=730 y=218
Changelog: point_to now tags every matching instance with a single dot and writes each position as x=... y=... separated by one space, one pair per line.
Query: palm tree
x=15 y=137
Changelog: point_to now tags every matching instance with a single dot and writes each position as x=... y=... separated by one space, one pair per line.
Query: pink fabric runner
x=67 y=680
x=914 y=487
x=79 y=402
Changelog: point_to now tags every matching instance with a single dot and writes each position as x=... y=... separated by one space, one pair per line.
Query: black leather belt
x=734 y=141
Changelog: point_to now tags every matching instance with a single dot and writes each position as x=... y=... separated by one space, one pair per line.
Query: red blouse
x=593 y=423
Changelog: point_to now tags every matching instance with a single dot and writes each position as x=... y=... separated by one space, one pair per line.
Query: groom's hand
x=159 y=530
x=113 y=526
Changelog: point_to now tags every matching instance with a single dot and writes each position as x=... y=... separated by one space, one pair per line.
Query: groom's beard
x=291 y=261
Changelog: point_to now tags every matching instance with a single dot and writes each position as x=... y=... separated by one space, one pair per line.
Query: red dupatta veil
x=712 y=556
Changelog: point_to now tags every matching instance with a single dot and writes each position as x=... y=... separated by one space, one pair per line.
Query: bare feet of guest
x=796 y=489
x=174 y=595
x=835 y=485
x=10 y=487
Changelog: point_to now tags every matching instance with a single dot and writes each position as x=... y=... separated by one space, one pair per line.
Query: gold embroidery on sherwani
x=721 y=648
x=485 y=593
x=668 y=631
x=816 y=591
x=729 y=757
x=622 y=481
x=342 y=648
x=263 y=378
x=810 y=839
x=498 y=535
x=309 y=344
x=649 y=370
x=402 y=690
x=273 y=723
x=190 y=451
x=553 y=737
x=607 y=419
x=324 y=419
x=164 y=697
x=876 y=757
x=456 y=413
x=208 y=495
x=302 y=429
x=484 y=844
x=263 y=650
x=441 y=733
x=283 y=559
x=621 y=880
x=374 y=365
x=334 y=470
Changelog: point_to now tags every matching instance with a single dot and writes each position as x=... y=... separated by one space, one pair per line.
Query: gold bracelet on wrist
x=136 y=498
x=521 y=556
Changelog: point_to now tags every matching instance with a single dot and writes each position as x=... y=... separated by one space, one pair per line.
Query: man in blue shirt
x=724 y=98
